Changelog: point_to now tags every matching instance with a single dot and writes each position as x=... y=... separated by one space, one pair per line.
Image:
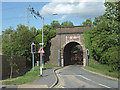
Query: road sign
x=41 y=50
x=71 y=37
x=74 y=37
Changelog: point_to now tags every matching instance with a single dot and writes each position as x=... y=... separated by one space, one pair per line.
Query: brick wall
x=72 y=30
x=59 y=42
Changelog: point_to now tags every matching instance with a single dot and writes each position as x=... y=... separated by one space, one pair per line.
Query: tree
x=55 y=24
x=103 y=39
x=18 y=42
x=9 y=49
x=88 y=22
x=67 y=24
x=8 y=31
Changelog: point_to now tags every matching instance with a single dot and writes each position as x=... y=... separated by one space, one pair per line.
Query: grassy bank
x=30 y=76
x=102 y=68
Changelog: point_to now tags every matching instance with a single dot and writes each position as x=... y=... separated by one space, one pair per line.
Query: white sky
x=81 y=8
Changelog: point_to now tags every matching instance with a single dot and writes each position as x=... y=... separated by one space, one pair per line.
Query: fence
x=17 y=70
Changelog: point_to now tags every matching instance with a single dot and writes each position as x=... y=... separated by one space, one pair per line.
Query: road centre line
x=104 y=85
x=90 y=80
x=80 y=76
x=83 y=77
x=93 y=81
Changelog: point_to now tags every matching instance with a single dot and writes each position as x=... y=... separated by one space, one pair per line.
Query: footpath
x=47 y=80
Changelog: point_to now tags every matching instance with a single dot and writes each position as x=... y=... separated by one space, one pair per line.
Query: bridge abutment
x=65 y=36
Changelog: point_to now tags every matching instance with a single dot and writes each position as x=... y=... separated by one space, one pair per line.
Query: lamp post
x=41 y=44
x=33 y=50
x=42 y=41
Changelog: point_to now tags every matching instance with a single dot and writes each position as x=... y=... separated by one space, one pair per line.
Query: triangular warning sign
x=41 y=50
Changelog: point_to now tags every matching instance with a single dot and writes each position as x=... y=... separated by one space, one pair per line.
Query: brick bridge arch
x=65 y=36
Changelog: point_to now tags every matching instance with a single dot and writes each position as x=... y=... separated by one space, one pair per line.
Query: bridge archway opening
x=73 y=54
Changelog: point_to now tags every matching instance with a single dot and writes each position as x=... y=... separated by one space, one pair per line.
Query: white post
x=40 y=64
x=37 y=63
x=62 y=61
x=84 y=62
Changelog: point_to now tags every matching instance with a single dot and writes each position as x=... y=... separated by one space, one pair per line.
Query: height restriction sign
x=41 y=50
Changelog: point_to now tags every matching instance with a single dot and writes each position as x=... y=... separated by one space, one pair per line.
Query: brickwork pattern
x=59 y=42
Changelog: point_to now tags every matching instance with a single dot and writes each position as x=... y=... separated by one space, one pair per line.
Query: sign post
x=41 y=51
x=33 y=49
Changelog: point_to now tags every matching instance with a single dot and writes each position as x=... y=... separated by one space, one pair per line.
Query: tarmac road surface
x=74 y=76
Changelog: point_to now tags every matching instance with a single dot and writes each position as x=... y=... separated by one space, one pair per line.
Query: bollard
x=37 y=63
x=84 y=62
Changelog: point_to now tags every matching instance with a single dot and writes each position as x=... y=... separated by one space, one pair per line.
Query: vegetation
x=67 y=24
x=18 y=42
x=30 y=76
x=102 y=68
x=103 y=38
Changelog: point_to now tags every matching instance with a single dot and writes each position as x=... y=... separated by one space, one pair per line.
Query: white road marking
x=104 y=86
x=84 y=77
x=78 y=75
x=89 y=80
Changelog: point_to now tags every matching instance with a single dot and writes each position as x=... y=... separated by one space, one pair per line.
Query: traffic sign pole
x=40 y=64
x=87 y=52
x=41 y=51
x=33 y=61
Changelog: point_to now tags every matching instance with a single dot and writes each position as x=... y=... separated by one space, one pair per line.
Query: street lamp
x=54 y=13
x=41 y=44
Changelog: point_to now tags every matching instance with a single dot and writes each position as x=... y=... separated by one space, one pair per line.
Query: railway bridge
x=62 y=49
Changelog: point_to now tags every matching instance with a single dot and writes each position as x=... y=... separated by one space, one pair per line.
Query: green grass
x=30 y=76
x=50 y=66
x=102 y=68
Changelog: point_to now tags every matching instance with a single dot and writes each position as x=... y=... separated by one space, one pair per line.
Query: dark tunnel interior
x=73 y=54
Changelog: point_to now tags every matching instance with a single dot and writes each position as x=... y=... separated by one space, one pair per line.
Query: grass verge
x=30 y=76
x=102 y=68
